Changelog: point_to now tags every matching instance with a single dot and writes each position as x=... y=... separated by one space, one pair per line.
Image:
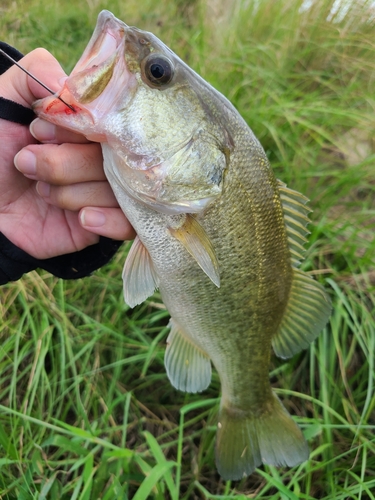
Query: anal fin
x=139 y=277
x=188 y=367
x=306 y=314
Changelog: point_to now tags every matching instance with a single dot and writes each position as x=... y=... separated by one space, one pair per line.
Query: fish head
x=168 y=144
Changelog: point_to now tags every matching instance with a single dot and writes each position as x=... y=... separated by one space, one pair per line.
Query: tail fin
x=245 y=440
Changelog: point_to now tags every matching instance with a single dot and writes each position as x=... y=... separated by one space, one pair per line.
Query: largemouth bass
x=218 y=234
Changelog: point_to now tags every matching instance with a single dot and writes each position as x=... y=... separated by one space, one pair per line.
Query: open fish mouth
x=108 y=36
x=101 y=62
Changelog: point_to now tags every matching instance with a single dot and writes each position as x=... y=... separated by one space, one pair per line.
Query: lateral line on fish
x=35 y=78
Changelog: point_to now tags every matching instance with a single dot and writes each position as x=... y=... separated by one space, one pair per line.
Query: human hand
x=60 y=214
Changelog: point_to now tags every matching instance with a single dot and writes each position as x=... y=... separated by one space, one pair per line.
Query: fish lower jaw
x=78 y=119
x=52 y=105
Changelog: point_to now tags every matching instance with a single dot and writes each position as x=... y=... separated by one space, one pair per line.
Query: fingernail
x=43 y=189
x=25 y=162
x=43 y=131
x=92 y=218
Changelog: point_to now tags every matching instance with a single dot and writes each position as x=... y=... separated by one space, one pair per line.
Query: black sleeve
x=10 y=110
x=14 y=262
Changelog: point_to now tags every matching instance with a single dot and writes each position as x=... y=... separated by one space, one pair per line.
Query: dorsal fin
x=296 y=219
x=309 y=305
x=306 y=314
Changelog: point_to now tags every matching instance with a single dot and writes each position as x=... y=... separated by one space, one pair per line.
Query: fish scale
x=216 y=232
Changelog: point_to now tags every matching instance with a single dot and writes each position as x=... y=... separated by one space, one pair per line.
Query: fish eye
x=158 y=70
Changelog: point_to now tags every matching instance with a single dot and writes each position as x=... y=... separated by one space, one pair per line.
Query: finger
x=62 y=164
x=109 y=222
x=20 y=88
x=47 y=69
x=49 y=133
x=76 y=196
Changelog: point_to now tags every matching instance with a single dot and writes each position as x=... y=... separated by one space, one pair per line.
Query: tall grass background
x=86 y=409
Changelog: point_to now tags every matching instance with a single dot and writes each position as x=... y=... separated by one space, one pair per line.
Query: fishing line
x=36 y=79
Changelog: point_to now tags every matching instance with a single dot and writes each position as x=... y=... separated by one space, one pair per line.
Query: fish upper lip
x=107 y=41
x=108 y=37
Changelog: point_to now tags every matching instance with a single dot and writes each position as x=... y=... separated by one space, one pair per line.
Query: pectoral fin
x=139 y=277
x=305 y=316
x=188 y=367
x=194 y=238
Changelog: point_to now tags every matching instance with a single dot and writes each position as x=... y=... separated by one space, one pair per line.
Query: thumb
x=16 y=85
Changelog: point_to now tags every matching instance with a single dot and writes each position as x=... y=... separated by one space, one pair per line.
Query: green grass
x=86 y=410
